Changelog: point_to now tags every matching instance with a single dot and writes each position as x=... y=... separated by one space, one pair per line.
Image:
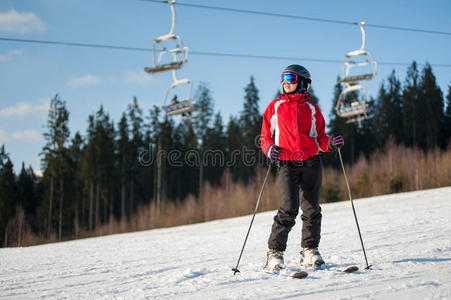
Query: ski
x=350 y=269
x=300 y=274
x=292 y=274
x=295 y=272
x=289 y=272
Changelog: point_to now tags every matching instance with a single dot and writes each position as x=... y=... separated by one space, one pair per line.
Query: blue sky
x=31 y=74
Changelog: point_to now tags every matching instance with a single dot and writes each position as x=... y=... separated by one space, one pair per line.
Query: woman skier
x=293 y=133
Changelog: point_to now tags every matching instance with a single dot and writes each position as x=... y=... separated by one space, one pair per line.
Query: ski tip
x=351 y=269
x=300 y=275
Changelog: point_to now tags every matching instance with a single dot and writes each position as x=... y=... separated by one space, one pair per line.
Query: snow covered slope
x=407 y=237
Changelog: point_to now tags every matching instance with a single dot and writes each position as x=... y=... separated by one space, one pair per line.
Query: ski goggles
x=289 y=77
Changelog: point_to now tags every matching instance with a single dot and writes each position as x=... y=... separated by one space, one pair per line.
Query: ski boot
x=274 y=261
x=311 y=259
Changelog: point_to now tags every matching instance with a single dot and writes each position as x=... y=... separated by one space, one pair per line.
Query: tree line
x=114 y=168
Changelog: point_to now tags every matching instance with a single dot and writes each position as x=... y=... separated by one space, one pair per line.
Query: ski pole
x=353 y=209
x=235 y=270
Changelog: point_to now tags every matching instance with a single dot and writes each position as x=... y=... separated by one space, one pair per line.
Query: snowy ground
x=407 y=238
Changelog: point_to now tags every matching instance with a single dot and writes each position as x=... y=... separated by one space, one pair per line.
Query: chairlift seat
x=163 y=68
x=356 y=53
x=353 y=110
x=179 y=108
x=166 y=37
x=356 y=78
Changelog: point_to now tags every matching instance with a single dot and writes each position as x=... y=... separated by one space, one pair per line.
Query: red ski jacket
x=296 y=125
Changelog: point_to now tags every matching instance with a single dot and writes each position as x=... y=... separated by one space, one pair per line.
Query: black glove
x=274 y=152
x=336 y=141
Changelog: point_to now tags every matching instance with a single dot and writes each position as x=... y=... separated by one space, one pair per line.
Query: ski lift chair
x=354 y=110
x=358 y=59
x=179 y=53
x=183 y=107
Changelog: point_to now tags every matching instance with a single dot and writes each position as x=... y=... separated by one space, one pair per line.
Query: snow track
x=407 y=237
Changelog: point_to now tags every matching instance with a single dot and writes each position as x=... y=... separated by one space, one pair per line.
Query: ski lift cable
x=202 y=53
x=388 y=27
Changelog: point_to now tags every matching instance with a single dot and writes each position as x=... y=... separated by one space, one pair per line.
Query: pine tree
x=204 y=105
x=431 y=107
x=411 y=110
x=165 y=143
x=76 y=181
x=188 y=171
x=445 y=138
x=88 y=168
x=250 y=118
x=313 y=97
x=234 y=148
x=250 y=122
x=153 y=126
x=123 y=152
x=388 y=114
x=26 y=188
x=55 y=156
x=136 y=148
x=8 y=194
x=215 y=155
x=153 y=132
x=105 y=163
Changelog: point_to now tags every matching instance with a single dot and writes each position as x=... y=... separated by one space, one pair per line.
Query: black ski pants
x=292 y=177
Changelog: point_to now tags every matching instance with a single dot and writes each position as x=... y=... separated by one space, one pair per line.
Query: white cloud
x=15 y=22
x=28 y=136
x=3 y=136
x=137 y=77
x=25 y=109
x=11 y=54
x=87 y=80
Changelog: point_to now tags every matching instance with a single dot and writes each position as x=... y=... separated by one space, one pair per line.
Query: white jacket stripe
x=313 y=132
x=275 y=131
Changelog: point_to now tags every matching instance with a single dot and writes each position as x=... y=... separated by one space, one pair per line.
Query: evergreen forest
x=147 y=170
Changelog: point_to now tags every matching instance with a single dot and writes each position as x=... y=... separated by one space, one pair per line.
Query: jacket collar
x=295 y=97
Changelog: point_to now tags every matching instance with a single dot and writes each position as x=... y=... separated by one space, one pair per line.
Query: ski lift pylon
x=179 y=53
